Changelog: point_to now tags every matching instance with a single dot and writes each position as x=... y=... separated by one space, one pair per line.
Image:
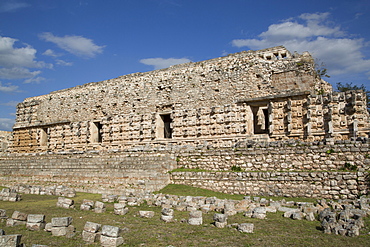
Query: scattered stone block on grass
x=245 y=227
x=35 y=222
x=19 y=216
x=99 y=207
x=65 y=202
x=109 y=198
x=3 y=214
x=62 y=227
x=87 y=205
x=195 y=218
x=220 y=220
x=10 y=240
x=146 y=214
x=167 y=214
x=91 y=232
x=110 y=236
x=120 y=208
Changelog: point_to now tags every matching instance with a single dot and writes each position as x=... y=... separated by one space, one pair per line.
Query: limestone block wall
x=280 y=169
x=127 y=109
x=5 y=137
x=337 y=116
x=270 y=157
x=89 y=172
x=331 y=185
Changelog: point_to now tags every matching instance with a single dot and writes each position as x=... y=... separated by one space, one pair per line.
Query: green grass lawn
x=272 y=231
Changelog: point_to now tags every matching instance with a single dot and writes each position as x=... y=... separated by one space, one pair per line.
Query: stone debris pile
x=55 y=190
x=10 y=195
x=256 y=207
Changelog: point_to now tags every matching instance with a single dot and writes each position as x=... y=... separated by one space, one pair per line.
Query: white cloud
x=160 y=63
x=11 y=56
x=51 y=53
x=314 y=33
x=63 y=63
x=17 y=73
x=36 y=80
x=76 y=45
x=15 y=62
x=12 y=5
x=6 y=124
x=8 y=88
x=12 y=103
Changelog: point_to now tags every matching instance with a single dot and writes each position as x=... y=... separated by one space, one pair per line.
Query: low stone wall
x=280 y=157
x=89 y=172
x=276 y=169
x=332 y=185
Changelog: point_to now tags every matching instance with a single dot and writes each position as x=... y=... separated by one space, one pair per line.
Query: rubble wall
x=335 y=171
x=5 y=137
x=89 y=172
x=331 y=185
x=276 y=157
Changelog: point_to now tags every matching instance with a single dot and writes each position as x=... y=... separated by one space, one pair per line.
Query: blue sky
x=51 y=45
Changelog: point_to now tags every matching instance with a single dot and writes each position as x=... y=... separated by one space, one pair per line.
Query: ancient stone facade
x=5 y=137
x=269 y=94
x=127 y=134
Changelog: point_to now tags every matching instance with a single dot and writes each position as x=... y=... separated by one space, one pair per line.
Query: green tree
x=349 y=86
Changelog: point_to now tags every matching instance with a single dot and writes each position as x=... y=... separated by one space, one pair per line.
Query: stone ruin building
x=268 y=95
x=5 y=137
x=127 y=133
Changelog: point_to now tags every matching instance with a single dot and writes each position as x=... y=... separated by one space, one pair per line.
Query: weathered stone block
x=13 y=222
x=100 y=210
x=195 y=218
x=2 y=213
x=35 y=226
x=90 y=237
x=85 y=207
x=220 y=218
x=220 y=224
x=10 y=240
x=48 y=227
x=19 y=216
x=110 y=231
x=246 y=227
x=99 y=204
x=122 y=211
x=92 y=227
x=106 y=241
x=35 y=218
x=61 y=222
x=167 y=218
x=88 y=202
x=146 y=214
x=68 y=231
x=167 y=211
